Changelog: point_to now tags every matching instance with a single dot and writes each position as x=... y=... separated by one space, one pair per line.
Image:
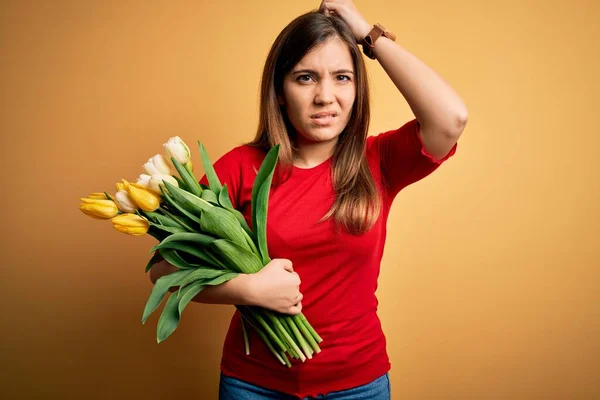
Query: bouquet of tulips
x=209 y=242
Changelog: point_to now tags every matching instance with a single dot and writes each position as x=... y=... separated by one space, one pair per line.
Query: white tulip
x=158 y=164
x=124 y=202
x=157 y=180
x=176 y=148
x=144 y=180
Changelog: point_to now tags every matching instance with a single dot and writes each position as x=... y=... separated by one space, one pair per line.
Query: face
x=318 y=93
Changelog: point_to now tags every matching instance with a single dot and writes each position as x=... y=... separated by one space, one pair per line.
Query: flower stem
x=299 y=337
x=268 y=329
x=246 y=344
x=310 y=328
x=306 y=333
x=280 y=356
x=289 y=339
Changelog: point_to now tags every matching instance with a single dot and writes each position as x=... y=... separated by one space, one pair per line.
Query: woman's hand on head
x=347 y=11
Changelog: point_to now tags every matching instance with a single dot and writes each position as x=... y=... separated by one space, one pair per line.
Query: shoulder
x=240 y=155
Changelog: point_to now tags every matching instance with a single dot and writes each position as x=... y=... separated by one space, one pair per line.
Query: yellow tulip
x=120 y=186
x=131 y=224
x=97 y=208
x=144 y=198
x=97 y=195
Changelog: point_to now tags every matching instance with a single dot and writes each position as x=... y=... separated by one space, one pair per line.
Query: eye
x=344 y=78
x=304 y=78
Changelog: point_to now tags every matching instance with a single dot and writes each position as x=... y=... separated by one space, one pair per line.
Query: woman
x=329 y=202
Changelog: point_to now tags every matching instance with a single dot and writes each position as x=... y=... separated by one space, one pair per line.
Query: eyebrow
x=313 y=72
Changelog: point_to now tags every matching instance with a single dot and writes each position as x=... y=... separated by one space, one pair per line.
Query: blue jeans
x=234 y=389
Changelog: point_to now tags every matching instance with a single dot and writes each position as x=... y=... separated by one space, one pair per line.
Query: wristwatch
x=368 y=42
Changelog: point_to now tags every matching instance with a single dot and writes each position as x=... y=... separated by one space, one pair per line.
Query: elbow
x=458 y=124
x=160 y=269
x=462 y=118
x=153 y=276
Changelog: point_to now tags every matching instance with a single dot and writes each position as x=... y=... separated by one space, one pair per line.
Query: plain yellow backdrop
x=489 y=282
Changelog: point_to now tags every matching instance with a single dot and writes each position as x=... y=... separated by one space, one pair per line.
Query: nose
x=324 y=92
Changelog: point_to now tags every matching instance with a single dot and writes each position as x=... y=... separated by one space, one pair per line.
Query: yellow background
x=489 y=284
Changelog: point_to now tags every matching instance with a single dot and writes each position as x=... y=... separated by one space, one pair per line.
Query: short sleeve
x=403 y=157
x=228 y=169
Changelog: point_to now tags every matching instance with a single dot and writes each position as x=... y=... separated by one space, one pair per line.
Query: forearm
x=234 y=291
x=433 y=101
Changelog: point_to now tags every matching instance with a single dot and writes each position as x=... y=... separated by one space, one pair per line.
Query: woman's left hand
x=346 y=10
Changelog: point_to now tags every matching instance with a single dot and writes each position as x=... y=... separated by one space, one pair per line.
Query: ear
x=280 y=100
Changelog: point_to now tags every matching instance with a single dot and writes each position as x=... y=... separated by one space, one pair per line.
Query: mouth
x=324 y=114
x=324 y=118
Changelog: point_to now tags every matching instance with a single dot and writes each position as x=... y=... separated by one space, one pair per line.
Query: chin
x=322 y=138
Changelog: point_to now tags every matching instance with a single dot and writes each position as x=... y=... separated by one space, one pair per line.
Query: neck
x=312 y=154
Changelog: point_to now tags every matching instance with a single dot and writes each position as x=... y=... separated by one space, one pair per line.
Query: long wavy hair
x=357 y=202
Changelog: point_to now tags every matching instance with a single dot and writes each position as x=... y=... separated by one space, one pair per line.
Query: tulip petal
x=131 y=224
x=97 y=208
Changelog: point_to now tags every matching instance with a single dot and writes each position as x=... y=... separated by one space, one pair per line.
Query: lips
x=325 y=118
x=324 y=114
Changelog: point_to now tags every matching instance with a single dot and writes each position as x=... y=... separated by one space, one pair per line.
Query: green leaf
x=173 y=204
x=162 y=219
x=222 y=224
x=157 y=233
x=251 y=244
x=180 y=220
x=188 y=295
x=108 y=197
x=199 y=238
x=190 y=202
x=221 y=279
x=195 y=251
x=188 y=178
x=171 y=315
x=237 y=258
x=169 y=318
x=209 y=170
x=149 y=215
x=209 y=196
x=160 y=289
x=224 y=199
x=155 y=258
x=225 y=202
x=260 y=200
x=202 y=274
x=175 y=259
x=209 y=276
x=181 y=183
x=166 y=228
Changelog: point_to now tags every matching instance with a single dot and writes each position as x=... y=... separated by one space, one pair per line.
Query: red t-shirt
x=338 y=271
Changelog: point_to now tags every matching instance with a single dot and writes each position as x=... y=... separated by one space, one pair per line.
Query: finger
x=298 y=280
x=322 y=7
x=287 y=265
x=295 y=310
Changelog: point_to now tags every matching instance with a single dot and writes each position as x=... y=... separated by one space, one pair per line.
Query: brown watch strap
x=368 y=42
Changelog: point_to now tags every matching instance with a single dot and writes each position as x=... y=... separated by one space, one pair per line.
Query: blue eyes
x=307 y=78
